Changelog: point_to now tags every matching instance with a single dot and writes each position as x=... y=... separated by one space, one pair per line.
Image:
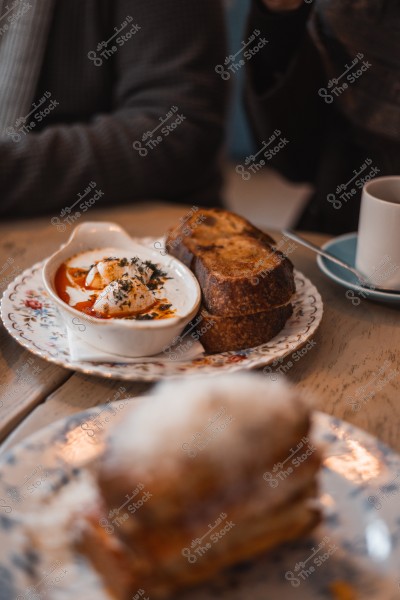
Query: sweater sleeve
x=281 y=91
x=284 y=32
x=164 y=82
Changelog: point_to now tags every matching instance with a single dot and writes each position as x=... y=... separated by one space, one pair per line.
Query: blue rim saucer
x=344 y=247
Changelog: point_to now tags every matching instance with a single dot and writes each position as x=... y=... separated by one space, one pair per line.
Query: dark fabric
x=326 y=147
x=23 y=40
x=362 y=34
x=101 y=111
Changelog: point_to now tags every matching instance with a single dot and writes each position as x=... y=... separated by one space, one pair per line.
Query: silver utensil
x=361 y=280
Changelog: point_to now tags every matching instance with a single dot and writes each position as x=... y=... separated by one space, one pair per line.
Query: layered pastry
x=202 y=475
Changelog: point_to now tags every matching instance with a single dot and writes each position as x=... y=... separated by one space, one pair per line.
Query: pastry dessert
x=199 y=477
x=241 y=275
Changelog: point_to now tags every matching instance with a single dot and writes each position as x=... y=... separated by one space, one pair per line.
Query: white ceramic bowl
x=125 y=337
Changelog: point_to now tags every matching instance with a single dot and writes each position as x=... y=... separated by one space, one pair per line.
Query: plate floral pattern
x=32 y=319
x=353 y=555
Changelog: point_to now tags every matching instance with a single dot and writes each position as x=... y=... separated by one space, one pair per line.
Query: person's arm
x=282 y=5
x=169 y=63
x=282 y=23
x=282 y=90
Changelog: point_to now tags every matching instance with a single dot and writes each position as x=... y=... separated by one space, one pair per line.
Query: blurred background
x=265 y=188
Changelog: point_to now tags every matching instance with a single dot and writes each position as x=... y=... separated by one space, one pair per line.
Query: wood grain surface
x=350 y=370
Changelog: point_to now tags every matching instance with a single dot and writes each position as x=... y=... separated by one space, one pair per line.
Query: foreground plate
x=356 y=550
x=344 y=247
x=33 y=320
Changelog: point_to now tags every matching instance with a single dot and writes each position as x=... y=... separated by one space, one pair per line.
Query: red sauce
x=160 y=309
x=61 y=283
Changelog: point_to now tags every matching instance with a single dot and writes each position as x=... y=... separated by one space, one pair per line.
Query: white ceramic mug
x=378 y=245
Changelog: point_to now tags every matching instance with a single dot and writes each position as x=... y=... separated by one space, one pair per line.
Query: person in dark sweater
x=117 y=94
x=328 y=79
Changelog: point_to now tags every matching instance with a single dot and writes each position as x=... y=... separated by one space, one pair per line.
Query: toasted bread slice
x=221 y=334
x=239 y=270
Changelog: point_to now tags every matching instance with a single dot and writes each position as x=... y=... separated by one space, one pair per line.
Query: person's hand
x=282 y=5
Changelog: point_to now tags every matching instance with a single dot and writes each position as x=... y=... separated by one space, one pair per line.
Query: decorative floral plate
x=353 y=555
x=32 y=319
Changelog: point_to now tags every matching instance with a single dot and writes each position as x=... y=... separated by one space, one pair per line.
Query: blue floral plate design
x=353 y=555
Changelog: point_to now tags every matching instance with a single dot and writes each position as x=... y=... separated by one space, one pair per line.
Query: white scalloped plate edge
x=292 y=337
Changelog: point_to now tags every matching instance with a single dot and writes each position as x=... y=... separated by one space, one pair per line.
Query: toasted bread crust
x=222 y=334
x=239 y=270
x=259 y=292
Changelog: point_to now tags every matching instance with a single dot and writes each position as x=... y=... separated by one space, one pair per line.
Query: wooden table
x=351 y=371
